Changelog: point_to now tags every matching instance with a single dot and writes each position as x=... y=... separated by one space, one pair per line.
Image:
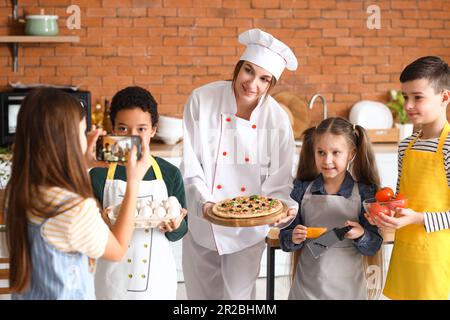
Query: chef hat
x=267 y=52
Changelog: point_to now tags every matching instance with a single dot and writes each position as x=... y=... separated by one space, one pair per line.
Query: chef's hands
x=286 y=220
x=355 y=232
x=403 y=217
x=207 y=207
x=172 y=224
x=299 y=234
x=89 y=156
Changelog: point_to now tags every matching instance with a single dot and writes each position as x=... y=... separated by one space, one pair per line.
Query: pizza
x=247 y=207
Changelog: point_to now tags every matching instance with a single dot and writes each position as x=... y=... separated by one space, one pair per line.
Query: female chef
x=237 y=141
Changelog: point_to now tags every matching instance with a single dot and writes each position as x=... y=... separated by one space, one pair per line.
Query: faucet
x=324 y=103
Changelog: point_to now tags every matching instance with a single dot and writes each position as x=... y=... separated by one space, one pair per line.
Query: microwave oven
x=10 y=102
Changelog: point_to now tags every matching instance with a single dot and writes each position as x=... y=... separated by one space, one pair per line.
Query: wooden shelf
x=16 y=40
x=33 y=39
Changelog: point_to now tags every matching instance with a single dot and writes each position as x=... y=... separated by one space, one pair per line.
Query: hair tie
x=354 y=127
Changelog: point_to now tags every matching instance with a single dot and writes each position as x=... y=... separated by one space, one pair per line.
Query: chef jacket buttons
x=243 y=189
x=219 y=186
x=254 y=126
x=228 y=119
x=247 y=159
x=224 y=153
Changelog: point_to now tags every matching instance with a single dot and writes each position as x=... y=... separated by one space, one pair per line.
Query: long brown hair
x=47 y=153
x=363 y=168
x=236 y=70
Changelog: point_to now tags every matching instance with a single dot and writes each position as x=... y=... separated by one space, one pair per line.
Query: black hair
x=432 y=68
x=134 y=97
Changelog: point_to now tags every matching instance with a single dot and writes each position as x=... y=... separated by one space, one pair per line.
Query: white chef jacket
x=212 y=163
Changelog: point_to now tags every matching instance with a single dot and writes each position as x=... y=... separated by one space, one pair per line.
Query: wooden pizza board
x=247 y=222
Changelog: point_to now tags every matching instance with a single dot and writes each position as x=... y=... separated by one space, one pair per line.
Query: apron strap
x=111 y=171
x=307 y=194
x=156 y=169
x=443 y=137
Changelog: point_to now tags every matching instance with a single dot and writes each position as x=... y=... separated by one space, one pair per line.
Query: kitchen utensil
x=371 y=115
x=289 y=113
x=41 y=25
x=299 y=110
x=321 y=244
x=374 y=207
x=170 y=129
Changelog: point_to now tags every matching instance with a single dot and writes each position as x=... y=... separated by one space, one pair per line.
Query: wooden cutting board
x=247 y=222
x=299 y=110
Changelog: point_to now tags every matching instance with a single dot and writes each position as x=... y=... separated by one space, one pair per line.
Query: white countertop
x=163 y=150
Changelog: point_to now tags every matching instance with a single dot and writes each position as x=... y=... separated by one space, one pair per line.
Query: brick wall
x=173 y=46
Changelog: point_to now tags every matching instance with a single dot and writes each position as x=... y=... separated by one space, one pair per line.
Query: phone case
x=115 y=148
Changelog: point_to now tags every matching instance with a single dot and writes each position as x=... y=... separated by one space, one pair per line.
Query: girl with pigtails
x=336 y=173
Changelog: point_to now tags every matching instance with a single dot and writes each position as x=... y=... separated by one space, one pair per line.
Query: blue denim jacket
x=367 y=245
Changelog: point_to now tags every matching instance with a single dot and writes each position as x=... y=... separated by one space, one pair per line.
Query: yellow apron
x=420 y=262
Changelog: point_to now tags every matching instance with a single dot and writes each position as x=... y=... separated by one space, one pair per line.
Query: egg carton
x=150 y=213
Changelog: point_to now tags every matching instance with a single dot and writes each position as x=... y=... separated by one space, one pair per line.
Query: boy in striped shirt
x=421 y=255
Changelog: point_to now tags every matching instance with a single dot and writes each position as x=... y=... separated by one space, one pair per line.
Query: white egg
x=146 y=212
x=173 y=201
x=116 y=211
x=165 y=204
x=160 y=212
x=154 y=204
x=174 y=212
x=140 y=204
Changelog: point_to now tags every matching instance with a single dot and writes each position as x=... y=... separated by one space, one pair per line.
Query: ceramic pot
x=41 y=25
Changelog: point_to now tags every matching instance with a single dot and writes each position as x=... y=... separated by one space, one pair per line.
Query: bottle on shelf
x=107 y=126
x=97 y=115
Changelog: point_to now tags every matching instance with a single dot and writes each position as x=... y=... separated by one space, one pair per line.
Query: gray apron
x=339 y=273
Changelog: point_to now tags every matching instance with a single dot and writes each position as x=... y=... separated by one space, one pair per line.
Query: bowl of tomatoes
x=385 y=202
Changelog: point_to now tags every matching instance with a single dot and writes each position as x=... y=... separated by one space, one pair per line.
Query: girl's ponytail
x=307 y=166
x=364 y=167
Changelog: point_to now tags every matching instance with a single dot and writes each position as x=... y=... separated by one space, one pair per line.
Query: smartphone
x=112 y=148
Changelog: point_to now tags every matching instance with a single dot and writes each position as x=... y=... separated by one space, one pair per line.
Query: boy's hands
x=404 y=217
x=355 y=232
x=172 y=224
x=136 y=169
x=299 y=234
x=89 y=156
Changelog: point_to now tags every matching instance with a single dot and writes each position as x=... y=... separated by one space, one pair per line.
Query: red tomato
x=400 y=201
x=384 y=194
x=377 y=209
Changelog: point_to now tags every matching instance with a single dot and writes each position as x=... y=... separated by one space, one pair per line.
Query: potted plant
x=396 y=104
